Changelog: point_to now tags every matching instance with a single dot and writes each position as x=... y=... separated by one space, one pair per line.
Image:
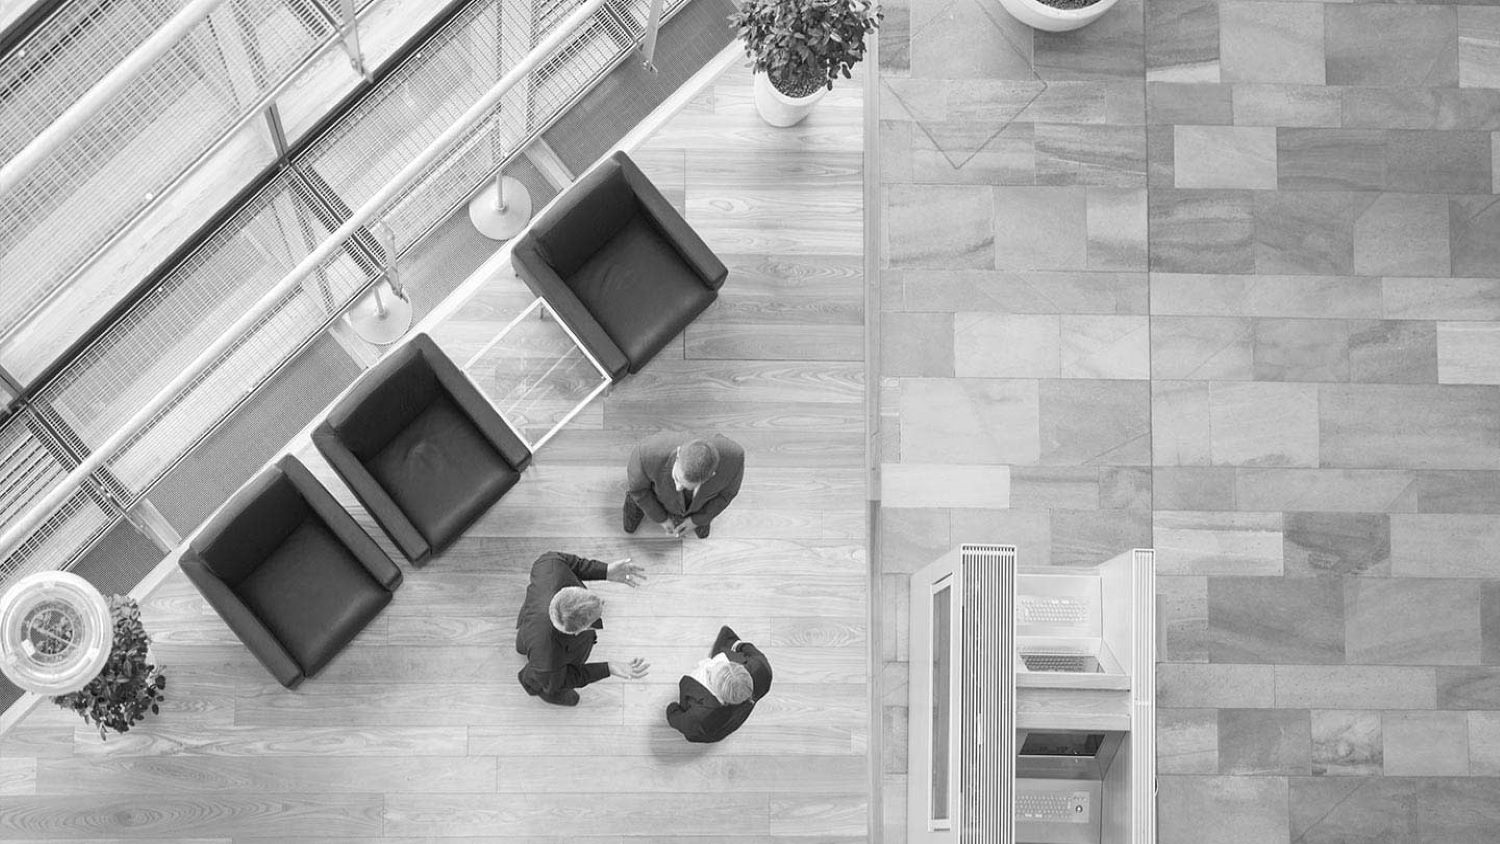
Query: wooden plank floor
x=419 y=729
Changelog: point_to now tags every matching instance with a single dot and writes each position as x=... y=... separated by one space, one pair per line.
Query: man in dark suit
x=718 y=695
x=682 y=483
x=556 y=626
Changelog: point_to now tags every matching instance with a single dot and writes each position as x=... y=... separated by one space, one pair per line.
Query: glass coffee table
x=537 y=374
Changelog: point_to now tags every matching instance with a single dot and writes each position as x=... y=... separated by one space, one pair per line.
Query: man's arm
x=555 y=680
x=583 y=567
x=639 y=487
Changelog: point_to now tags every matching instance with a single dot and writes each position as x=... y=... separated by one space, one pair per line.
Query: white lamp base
x=494 y=223
x=381 y=323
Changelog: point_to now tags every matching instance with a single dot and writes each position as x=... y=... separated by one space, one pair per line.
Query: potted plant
x=1056 y=15
x=128 y=686
x=797 y=48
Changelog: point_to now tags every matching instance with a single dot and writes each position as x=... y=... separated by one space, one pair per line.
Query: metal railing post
x=653 y=23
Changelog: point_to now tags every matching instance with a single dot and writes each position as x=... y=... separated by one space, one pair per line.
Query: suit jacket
x=555 y=660
x=649 y=477
x=701 y=717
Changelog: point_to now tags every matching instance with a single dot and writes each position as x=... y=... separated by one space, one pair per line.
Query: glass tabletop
x=537 y=374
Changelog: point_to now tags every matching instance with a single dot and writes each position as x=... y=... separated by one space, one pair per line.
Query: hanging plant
x=803 y=45
x=128 y=687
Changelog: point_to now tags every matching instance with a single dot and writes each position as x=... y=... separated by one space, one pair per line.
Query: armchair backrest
x=587 y=216
x=385 y=401
x=251 y=526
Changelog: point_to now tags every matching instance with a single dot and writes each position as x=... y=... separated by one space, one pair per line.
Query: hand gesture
x=681 y=527
x=670 y=528
x=626 y=572
x=632 y=670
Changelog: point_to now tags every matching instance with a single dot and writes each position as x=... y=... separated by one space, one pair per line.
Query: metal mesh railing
x=99 y=179
x=183 y=358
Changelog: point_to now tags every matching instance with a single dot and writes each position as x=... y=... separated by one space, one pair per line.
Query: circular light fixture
x=56 y=632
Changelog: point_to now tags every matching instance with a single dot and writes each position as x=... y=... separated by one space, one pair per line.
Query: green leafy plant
x=802 y=45
x=128 y=686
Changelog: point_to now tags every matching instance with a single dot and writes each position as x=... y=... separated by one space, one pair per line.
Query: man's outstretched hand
x=626 y=572
x=632 y=670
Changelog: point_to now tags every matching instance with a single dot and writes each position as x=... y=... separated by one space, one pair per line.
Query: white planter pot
x=1039 y=15
x=778 y=109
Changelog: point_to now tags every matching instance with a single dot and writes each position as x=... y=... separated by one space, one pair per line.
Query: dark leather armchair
x=290 y=572
x=619 y=265
x=422 y=450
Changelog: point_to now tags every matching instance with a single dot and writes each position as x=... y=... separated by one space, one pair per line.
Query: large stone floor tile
x=1371 y=44
x=1090 y=154
x=1026 y=292
x=1337 y=544
x=1304 y=232
x=1271 y=42
x=1440 y=298
x=1049 y=487
x=1287 y=105
x=1415 y=427
x=1109 y=48
x=1426 y=744
x=1489 y=622
x=916 y=344
x=1187 y=741
x=1184 y=618
x=1327 y=490
x=1029 y=530
x=1094 y=422
x=1458 y=491
x=1225 y=157
x=912 y=538
x=1468 y=688
x=1346 y=742
x=1343 y=810
x=1468 y=352
x=939 y=226
x=1411 y=621
x=1330 y=159
x=1245 y=810
x=1105 y=346
x=966 y=38
x=1393 y=351
x=1089 y=537
x=1267 y=295
x=1217 y=686
x=1197 y=103
x=1180 y=427
x=1463 y=109
x=1479 y=47
x=992 y=345
x=1444 y=545
x=1189 y=542
x=1484 y=743
x=1116 y=228
x=1187 y=487
x=944 y=153
x=1403 y=234
x=1265 y=742
x=1202 y=231
x=1182 y=41
x=1355 y=686
x=944 y=485
x=1301 y=350
x=1275 y=620
x=1475 y=225
x=1438 y=162
x=1041 y=228
x=1202 y=348
x=1263 y=424
x=969 y=420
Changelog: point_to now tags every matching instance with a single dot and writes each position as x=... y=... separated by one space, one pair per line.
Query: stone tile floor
x=1220 y=277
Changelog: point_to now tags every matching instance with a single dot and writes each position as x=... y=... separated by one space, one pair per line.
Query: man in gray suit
x=681 y=482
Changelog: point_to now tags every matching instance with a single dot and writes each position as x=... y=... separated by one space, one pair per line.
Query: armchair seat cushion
x=313 y=595
x=640 y=290
x=442 y=472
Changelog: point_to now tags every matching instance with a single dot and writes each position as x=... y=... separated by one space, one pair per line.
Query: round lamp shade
x=56 y=632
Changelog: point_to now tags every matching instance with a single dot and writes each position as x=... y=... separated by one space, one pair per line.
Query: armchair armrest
x=692 y=248
x=256 y=636
x=371 y=495
x=338 y=520
x=527 y=259
x=474 y=405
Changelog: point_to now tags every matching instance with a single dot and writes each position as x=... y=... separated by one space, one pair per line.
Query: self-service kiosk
x=1032 y=701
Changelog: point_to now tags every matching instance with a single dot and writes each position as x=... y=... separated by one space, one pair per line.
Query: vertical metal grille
x=989 y=692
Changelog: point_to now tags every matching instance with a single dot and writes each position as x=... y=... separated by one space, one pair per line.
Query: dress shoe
x=726 y=638
x=567 y=697
x=701 y=531
x=633 y=516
